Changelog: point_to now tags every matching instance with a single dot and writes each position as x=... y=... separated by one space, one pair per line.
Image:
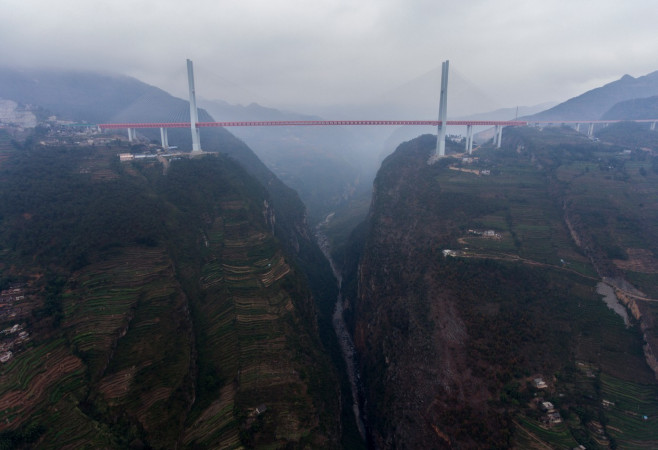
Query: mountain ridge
x=593 y=104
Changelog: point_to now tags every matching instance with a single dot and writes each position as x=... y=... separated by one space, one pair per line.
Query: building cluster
x=19 y=120
x=123 y=157
x=62 y=133
x=551 y=415
x=490 y=234
x=12 y=337
x=539 y=383
x=10 y=305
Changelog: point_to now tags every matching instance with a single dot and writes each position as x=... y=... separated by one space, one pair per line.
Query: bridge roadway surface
x=305 y=123
x=107 y=126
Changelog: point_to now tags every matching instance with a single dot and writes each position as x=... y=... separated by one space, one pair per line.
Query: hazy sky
x=298 y=54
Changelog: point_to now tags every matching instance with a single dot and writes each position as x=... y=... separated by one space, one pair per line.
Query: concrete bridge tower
x=443 y=115
x=194 y=112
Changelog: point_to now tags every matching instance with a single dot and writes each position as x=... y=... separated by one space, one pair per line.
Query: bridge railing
x=107 y=126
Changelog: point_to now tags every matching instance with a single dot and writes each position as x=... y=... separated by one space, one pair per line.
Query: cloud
x=299 y=54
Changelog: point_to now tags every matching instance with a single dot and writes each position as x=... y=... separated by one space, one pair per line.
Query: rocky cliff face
x=470 y=287
x=408 y=327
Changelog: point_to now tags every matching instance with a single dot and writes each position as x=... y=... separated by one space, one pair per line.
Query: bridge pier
x=498 y=136
x=469 y=139
x=590 y=130
x=578 y=127
x=653 y=126
x=132 y=134
x=164 y=138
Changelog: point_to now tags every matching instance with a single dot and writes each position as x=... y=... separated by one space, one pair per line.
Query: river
x=343 y=335
x=610 y=299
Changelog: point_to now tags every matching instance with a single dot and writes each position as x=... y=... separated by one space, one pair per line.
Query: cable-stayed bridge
x=194 y=124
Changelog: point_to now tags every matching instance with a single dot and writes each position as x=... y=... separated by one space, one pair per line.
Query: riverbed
x=343 y=335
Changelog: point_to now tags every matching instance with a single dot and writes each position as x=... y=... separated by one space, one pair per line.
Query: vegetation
x=166 y=312
x=464 y=336
x=631 y=135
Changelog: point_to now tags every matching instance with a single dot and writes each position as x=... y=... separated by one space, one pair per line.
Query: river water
x=344 y=337
x=610 y=299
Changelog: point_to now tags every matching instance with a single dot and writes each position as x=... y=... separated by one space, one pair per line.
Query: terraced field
x=632 y=413
x=606 y=196
x=175 y=320
x=106 y=308
x=28 y=380
x=531 y=435
x=515 y=202
x=564 y=216
x=245 y=308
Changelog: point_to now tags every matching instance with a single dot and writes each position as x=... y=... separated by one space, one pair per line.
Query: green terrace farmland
x=248 y=306
x=588 y=209
x=516 y=203
x=164 y=312
x=580 y=208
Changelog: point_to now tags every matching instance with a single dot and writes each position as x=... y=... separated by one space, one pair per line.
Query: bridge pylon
x=194 y=112
x=443 y=115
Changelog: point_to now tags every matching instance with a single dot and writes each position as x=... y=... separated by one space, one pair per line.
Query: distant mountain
x=224 y=111
x=509 y=113
x=592 y=105
x=637 y=108
x=72 y=95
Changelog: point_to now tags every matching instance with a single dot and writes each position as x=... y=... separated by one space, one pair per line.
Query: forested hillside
x=145 y=309
x=478 y=298
x=637 y=108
